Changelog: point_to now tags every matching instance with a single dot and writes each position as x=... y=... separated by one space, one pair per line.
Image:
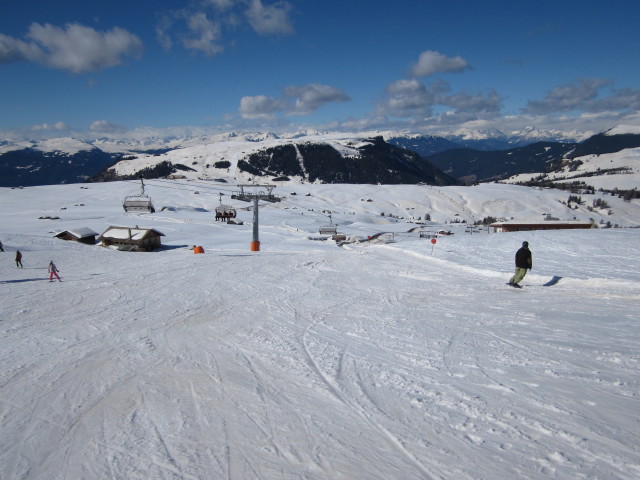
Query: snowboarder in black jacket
x=523 y=263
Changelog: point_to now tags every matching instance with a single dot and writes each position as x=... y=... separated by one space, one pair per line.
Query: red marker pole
x=433 y=244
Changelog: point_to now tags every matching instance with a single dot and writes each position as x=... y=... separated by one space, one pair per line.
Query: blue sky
x=113 y=67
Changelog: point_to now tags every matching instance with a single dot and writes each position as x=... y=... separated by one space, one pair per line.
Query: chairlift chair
x=138 y=202
x=224 y=213
x=330 y=229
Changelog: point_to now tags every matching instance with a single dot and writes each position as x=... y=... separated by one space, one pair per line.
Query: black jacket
x=523 y=258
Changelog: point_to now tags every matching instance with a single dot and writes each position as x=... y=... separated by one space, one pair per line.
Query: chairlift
x=330 y=229
x=138 y=202
x=224 y=213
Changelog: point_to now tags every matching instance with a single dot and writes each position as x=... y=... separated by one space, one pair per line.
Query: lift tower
x=255 y=193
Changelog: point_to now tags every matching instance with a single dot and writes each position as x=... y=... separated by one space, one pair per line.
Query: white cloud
x=307 y=99
x=103 y=126
x=203 y=34
x=270 y=19
x=569 y=97
x=624 y=99
x=55 y=127
x=14 y=50
x=222 y=4
x=311 y=97
x=491 y=102
x=408 y=98
x=411 y=99
x=585 y=95
x=194 y=30
x=162 y=32
x=201 y=28
x=261 y=107
x=430 y=62
x=74 y=48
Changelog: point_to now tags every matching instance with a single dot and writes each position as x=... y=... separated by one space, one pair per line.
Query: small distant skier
x=523 y=263
x=19 y=259
x=1 y=247
x=53 y=271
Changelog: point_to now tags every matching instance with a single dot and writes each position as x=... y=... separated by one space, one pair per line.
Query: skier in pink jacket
x=53 y=270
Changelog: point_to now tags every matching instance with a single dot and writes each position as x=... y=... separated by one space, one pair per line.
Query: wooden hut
x=132 y=239
x=82 y=235
x=524 y=225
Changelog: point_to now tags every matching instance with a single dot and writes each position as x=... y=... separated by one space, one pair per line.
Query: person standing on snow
x=53 y=270
x=523 y=263
x=1 y=247
x=19 y=259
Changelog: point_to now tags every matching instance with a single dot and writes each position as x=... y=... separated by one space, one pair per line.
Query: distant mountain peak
x=472 y=134
x=67 y=145
x=518 y=137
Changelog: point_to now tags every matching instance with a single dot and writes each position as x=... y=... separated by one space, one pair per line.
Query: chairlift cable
x=306 y=208
x=182 y=186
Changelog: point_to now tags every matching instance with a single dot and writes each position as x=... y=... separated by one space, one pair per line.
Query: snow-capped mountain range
x=218 y=157
x=142 y=142
x=492 y=138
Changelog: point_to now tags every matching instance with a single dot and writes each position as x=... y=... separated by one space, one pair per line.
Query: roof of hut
x=82 y=232
x=134 y=233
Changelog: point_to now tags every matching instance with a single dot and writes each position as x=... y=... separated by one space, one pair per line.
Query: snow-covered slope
x=624 y=130
x=405 y=360
x=201 y=158
x=608 y=171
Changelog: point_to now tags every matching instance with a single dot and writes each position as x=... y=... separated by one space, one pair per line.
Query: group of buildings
x=136 y=239
x=132 y=239
x=549 y=223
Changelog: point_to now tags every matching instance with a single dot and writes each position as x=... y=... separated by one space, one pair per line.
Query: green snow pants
x=519 y=275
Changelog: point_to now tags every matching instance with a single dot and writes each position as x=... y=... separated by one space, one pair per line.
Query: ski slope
x=402 y=360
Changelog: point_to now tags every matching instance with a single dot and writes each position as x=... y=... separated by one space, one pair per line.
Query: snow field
x=305 y=360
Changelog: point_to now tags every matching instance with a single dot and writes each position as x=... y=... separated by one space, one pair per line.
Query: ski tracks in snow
x=356 y=363
x=494 y=388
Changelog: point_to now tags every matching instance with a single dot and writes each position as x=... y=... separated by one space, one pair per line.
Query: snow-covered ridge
x=624 y=130
x=202 y=157
x=620 y=170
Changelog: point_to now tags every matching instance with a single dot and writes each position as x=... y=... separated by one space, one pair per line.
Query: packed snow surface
x=401 y=360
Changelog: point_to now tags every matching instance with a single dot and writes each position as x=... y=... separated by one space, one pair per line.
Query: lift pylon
x=260 y=192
